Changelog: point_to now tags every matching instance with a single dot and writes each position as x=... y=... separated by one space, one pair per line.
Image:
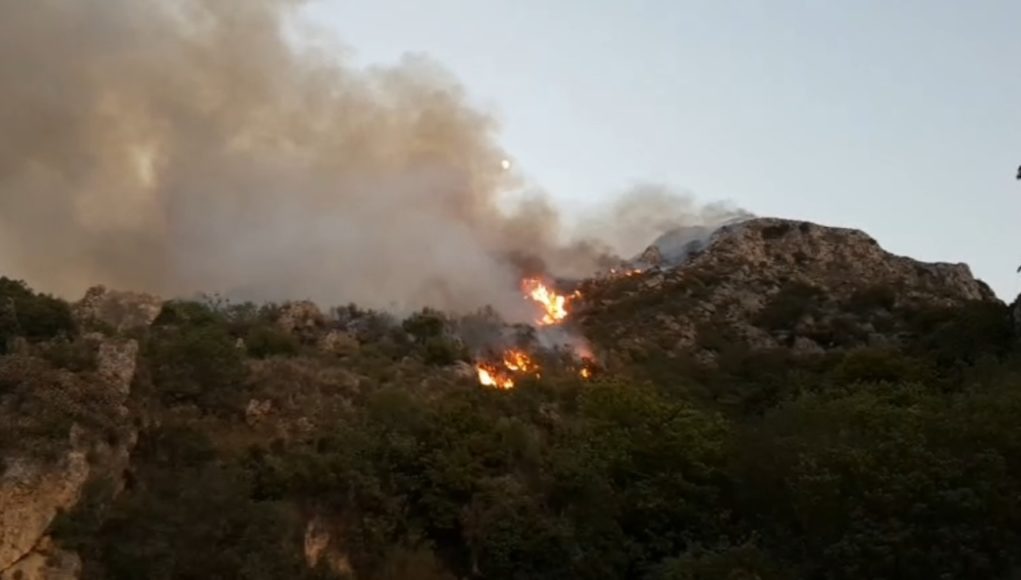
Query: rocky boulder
x=45 y=562
x=31 y=495
x=299 y=316
x=117 y=310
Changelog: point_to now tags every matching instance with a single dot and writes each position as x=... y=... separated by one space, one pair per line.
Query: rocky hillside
x=772 y=400
x=770 y=283
x=65 y=420
x=772 y=286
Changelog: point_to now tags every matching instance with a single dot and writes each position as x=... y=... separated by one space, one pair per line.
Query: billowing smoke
x=183 y=145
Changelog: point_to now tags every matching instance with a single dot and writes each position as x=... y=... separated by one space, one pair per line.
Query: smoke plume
x=185 y=145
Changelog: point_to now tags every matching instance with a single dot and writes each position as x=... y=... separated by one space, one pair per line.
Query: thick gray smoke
x=182 y=145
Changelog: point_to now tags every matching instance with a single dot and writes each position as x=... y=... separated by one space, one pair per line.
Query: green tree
x=871 y=484
x=193 y=359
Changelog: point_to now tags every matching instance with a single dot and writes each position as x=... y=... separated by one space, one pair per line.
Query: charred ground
x=786 y=401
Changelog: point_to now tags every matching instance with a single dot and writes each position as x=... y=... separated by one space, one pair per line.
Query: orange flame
x=518 y=361
x=554 y=305
x=623 y=273
x=515 y=362
x=493 y=377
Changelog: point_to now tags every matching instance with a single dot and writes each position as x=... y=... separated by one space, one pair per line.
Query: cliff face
x=31 y=495
x=77 y=427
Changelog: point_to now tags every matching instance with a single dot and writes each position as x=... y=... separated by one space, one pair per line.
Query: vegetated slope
x=781 y=296
x=784 y=401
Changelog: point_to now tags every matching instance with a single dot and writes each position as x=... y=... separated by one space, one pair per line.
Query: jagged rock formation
x=45 y=562
x=118 y=310
x=338 y=342
x=31 y=495
x=302 y=319
x=35 y=489
x=772 y=283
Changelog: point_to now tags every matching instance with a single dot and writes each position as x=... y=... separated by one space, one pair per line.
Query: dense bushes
x=788 y=305
x=430 y=330
x=892 y=461
x=193 y=359
x=39 y=404
x=31 y=315
x=266 y=341
x=195 y=518
x=883 y=481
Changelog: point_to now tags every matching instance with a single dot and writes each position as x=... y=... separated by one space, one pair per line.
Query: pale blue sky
x=898 y=117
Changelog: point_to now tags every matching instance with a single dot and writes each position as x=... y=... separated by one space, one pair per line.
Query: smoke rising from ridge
x=185 y=145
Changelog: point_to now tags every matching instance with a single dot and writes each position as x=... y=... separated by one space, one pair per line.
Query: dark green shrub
x=441 y=351
x=32 y=315
x=197 y=365
x=873 y=365
x=788 y=305
x=773 y=232
x=188 y=312
x=964 y=334
x=744 y=562
x=877 y=296
x=267 y=341
x=425 y=325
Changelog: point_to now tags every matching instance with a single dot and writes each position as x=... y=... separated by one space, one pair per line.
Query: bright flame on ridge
x=554 y=305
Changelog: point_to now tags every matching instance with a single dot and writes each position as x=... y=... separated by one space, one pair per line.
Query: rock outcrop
x=769 y=283
x=302 y=319
x=837 y=259
x=31 y=495
x=115 y=362
x=45 y=562
x=34 y=489
x=117 y=310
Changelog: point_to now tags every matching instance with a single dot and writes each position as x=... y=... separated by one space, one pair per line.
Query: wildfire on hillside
x=492 y=376
x=623 y=272
x=518 y=361
x=502 y=374
x=514 y=363
x=554 y=306
x=588 y=367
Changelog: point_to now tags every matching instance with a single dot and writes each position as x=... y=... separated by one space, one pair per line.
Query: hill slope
x=777 y=400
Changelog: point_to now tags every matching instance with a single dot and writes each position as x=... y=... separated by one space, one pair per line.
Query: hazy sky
x=899 y=118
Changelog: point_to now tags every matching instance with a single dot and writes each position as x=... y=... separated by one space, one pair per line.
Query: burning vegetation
x=554 y=309
x=623 y=272
x=554 y=306
x=501 y=375
x=492 y=376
